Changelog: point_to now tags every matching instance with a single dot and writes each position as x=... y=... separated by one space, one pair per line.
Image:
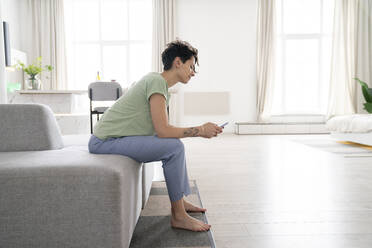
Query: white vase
x=33 y=83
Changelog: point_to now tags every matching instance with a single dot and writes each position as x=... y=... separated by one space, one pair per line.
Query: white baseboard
x=280 y=128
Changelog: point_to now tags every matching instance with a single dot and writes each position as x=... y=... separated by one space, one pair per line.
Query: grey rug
x=153 y=228
x=345 y=149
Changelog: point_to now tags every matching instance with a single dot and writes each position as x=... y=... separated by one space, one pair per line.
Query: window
x=112 y=37
x=303 y=53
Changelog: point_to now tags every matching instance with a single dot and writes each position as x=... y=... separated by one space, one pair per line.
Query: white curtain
x=265 y=58
x=164 y=29
x=47 y=39
x=364 y=52
x=342 y=91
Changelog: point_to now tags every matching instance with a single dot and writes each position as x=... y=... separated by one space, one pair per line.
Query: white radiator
x=280 y=128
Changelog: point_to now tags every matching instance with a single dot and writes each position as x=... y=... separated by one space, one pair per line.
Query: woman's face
x=186 y=70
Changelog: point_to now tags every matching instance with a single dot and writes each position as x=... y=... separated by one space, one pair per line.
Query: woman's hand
x=209 y=130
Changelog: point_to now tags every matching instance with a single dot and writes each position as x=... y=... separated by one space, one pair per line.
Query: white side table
x=60 y=101
x=70 y=107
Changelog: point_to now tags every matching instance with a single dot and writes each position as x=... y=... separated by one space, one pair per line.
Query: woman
x=137 y=126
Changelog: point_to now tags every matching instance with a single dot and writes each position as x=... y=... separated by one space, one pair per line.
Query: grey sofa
x=54 y=193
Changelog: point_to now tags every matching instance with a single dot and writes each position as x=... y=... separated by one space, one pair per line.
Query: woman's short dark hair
x=181 y=49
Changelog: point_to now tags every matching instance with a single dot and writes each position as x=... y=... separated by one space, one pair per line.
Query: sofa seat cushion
x=57 y=198
x=81 y=140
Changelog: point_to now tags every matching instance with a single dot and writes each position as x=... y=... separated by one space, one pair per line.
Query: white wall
x=224 y=32
x=2 y=60
x=11 y=14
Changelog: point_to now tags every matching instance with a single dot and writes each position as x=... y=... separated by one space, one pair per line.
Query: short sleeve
x=156 y=86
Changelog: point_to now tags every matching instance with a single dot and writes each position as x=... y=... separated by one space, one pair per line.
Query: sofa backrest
x=28 y=127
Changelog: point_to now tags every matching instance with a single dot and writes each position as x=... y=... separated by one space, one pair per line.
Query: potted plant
x=367 y=93
x=33 y=70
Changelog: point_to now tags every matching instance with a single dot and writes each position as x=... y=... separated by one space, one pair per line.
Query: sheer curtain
x=342 y=91
x=364 y=52
x=265 y=58
x=164 y=29
x=47 y=39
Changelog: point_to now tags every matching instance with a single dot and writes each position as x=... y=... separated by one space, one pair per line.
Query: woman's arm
x=158 y=108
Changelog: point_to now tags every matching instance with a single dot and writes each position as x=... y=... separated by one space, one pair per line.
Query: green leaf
x=361 y=82
x=35 y=68
x=49 y=67
x=368 y=107
x=366 y=94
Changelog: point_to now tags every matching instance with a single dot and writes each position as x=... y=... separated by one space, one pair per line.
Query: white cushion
x=358 y=123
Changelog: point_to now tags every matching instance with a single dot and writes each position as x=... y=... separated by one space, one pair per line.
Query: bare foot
x=189 y=207
x=189 y=223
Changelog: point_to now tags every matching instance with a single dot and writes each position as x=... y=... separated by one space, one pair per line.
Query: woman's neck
x=170 y=77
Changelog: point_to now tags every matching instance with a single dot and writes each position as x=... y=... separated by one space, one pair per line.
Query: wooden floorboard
x=268 y=191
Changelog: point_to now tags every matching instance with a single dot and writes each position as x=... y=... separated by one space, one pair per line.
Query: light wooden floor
x=267 y=191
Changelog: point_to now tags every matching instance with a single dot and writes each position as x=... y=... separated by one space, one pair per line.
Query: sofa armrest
x=28 y=127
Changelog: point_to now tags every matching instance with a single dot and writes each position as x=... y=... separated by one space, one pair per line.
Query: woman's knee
x=93 y=144
x=172 y=145
x=177 y=145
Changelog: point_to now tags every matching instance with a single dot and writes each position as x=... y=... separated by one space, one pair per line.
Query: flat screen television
x=6 y=44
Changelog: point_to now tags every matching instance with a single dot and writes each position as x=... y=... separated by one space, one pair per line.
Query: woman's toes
x=190 y=223
x=205 y=227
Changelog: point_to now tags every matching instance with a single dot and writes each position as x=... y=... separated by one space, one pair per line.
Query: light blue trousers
x=170 y=151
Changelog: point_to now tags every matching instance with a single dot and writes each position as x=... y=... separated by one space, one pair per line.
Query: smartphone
x=223 y=125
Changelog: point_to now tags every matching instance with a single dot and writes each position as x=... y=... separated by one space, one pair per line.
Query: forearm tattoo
x=191 y=132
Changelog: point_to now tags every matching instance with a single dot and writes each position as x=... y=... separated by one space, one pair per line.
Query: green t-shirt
x=130 y=115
